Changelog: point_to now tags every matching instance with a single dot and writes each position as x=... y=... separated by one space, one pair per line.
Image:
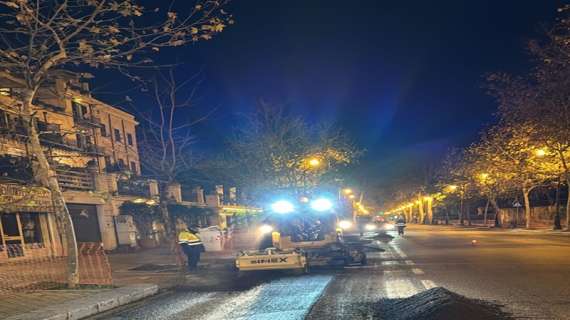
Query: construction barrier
x=31 y=267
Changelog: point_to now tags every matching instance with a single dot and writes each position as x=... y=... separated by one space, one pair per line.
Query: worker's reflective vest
x=189 y=238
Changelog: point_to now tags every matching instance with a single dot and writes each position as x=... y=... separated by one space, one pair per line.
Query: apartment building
x=93 y=148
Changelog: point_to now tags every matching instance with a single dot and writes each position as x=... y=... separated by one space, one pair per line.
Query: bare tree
x=41 y=37
x=166 y=136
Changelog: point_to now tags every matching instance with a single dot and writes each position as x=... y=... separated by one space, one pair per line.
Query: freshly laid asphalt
x=528 y=273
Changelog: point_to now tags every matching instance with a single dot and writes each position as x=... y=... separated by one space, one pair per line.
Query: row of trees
x=529 y=146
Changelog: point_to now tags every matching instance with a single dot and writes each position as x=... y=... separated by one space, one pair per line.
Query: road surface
x=528 y=273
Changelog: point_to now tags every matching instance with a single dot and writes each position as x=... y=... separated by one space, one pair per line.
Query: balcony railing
x=88 y=121
x=75 y=180
x=134 y=187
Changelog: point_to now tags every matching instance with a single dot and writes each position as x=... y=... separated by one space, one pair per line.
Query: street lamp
x=451 y=188
x=314 y=162
x=483 y=176
x=540 y=153
x=347 y=191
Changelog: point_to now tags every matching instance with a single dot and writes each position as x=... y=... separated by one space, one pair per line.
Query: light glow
x=265 y=229
x=344 y=224
x=370 y=227
x=321 y=204
x=282 y=206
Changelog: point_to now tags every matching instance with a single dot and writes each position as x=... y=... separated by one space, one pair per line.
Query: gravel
x=438 y=304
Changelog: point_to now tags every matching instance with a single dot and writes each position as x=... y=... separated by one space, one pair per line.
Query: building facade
x=92 y=147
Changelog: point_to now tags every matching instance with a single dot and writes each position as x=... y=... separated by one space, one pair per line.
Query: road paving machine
x=301 y=234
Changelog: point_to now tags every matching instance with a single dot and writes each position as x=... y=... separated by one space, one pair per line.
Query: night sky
x=404 y=78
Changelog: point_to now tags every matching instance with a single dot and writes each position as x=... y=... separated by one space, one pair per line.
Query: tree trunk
x=526 y=192
x=485 y=212
x=557 y=222
x=497 y=211
x=468 y=214
x=568 y=204
x=44 y=174
x=461 y=221
x=169 y=226
x=446 y=215
x=421 y=209
x=430 y=211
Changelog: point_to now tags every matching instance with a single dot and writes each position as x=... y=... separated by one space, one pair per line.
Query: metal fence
x=30 y=267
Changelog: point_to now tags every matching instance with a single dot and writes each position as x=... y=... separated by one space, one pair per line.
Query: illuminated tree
x=272 y=150
x=41 y=38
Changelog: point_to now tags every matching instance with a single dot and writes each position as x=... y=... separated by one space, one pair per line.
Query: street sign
x=517 y=204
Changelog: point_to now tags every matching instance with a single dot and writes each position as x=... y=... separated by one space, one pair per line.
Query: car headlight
x=389 y=226
x=265 y=229
x=321 y=204
x=370 y=227
x=345 y=224
x=282 y=206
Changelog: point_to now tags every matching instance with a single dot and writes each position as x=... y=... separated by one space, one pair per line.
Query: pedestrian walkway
x=18 y=303
x=141 y=271
x=474 y=227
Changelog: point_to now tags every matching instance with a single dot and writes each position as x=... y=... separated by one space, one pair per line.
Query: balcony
x=134 y=187
x=93 y=149
x=75 y=179
x=87 y=121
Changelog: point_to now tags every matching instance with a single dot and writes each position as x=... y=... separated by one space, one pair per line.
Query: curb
x=91 y=305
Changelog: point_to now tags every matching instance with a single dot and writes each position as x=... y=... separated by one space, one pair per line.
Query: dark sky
x=403 y=78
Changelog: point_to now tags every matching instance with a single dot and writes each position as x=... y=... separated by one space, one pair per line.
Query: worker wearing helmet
x=192 y=246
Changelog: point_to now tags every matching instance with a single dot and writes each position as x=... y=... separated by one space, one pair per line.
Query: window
x=130 y=139
x=107 y=161
x=117 y=135
x=80 y=141
x=3 y=119
x=133 y=167
x=84 y=110
x=31 y=227
x=121 y=163
x=6 y=92
x=103 y=130
x=76 y=109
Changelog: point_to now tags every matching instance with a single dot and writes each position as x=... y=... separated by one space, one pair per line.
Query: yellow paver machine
x=299 y=235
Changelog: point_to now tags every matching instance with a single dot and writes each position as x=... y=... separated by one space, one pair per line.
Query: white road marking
x=417 y=271
x=374 y=266
x=428 y=284
x=399 y=288
x=410 y=262
x=290 y=298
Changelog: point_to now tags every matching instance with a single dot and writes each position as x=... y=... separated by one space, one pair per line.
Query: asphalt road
x=528 y=273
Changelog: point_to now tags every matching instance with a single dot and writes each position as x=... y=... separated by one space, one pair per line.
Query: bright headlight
x=370 y=227
x=321 y=204
x=265 y=229
x=282 y=206
x=389 y=226
x=345 y=224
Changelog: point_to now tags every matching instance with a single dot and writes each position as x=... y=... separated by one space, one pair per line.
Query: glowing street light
x=347 y=191
x=451 y=188
x=352 y=196
x=483 y=176
x=314 y=162
x=540 y=153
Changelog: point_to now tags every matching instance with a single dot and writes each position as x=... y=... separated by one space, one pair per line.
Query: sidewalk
x=474 y=227
x=135 y=276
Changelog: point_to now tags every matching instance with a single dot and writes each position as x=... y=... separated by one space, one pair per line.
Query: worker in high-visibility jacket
x=192 y=246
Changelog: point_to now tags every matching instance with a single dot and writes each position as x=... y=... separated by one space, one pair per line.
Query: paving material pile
x=439 y=304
